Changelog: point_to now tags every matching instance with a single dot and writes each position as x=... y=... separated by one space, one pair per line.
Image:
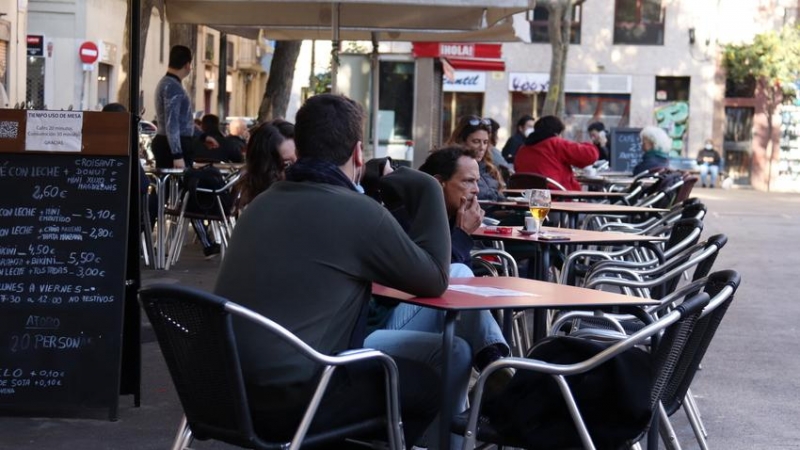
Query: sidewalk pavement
x=747 y=390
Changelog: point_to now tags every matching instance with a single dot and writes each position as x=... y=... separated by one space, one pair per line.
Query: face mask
x=708 y=147
x=357 y=180
x=528 y=131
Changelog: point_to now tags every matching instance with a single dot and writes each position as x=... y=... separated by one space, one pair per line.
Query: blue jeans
x=705 y=170
x=408 y=333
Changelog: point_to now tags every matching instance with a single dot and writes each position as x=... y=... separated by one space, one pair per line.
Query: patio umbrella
x=388 y=16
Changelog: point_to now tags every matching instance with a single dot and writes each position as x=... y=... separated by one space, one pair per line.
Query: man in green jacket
x=305 y=254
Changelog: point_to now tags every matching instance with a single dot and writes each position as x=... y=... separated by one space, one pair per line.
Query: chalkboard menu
x=626 y=149
x=63 y=242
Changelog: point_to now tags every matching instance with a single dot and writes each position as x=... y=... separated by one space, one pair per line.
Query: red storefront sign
x=457 y=50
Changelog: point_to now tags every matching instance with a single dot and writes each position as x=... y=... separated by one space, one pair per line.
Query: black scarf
x=318 y=171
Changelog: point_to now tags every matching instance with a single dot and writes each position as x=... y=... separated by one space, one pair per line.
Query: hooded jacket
x=549 y=155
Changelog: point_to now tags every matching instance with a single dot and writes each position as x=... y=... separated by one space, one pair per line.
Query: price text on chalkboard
x=63 y=233
x=626 y=149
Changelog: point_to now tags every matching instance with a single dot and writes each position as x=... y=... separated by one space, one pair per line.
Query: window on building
x=583 y=109
x=397 y=98
x=672 y=89
x=456 y=105
x=639 y=22
x=230 y=56
x=736 y=143
x=209 y=54
x=529 y=103
x=745 y=88
x=539 y=25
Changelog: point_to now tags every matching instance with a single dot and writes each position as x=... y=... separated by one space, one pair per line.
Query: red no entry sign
x=88 y=52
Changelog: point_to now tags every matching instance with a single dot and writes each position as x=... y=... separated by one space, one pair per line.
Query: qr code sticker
x=8 y=129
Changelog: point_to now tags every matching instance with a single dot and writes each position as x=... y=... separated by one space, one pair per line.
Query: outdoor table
x=573 y=195
x=574 y=237
x=528 y=294
x=573 y=209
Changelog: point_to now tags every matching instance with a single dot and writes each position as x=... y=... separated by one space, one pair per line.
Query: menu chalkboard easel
x=626 y=149
x=64 y=178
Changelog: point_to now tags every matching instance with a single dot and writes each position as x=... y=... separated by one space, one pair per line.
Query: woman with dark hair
x=546 y=153
x=474 y=133
x=270 y=151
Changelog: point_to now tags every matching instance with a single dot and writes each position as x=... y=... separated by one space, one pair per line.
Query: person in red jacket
x=546 y=153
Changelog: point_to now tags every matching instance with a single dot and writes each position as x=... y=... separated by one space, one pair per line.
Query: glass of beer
x=539 y=203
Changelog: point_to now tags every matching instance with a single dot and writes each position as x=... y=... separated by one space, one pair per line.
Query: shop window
x=456 y=105
x=397 y=97
x=639 y=22
x=539 y=25
x=529 y=103
x=34 y=82
x=209 y=53
x=672 y=89
x=583 y=109
x=229 y=55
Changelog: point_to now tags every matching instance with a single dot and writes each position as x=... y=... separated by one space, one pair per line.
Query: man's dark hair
x=210 y=123
x=523 y=120
x=443 y=162
x=596 y=126
x=179 y=56
x=549 y=125
x=115 y=107
x=327 y=127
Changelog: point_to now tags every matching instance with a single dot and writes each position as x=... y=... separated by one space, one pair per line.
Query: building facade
x=13 y=55
x=58 y=79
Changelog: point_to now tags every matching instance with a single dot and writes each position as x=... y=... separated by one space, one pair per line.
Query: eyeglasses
x=475 y=121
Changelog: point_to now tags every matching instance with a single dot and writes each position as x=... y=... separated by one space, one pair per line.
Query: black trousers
x=356 y=392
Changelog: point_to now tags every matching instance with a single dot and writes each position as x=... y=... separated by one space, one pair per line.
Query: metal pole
x=222 y=85
x=375 y=100
x=335 y=47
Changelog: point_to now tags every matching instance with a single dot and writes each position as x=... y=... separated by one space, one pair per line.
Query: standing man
x=172 y=145
x=305 y=254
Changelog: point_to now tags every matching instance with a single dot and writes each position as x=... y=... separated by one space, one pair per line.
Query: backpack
x=613 y=398
x=204 y=203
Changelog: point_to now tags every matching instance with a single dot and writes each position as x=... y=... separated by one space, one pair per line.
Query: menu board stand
x=626 y=149
x=64 y=252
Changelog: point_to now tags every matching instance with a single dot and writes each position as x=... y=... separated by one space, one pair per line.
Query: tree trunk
x=555 y=90
x=186 y=34
x=146 y=9
x=279 y=83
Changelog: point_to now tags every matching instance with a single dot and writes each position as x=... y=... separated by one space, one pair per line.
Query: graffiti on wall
x=673 y=117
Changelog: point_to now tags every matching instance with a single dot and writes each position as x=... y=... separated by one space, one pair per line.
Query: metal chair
x=216 y=210
x=195 y=332
x=676 y=326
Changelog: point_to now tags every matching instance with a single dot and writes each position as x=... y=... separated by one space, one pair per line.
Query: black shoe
x=496 y=383
x=211 y=251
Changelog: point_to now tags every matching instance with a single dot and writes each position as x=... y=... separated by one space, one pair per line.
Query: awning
x=486 y=65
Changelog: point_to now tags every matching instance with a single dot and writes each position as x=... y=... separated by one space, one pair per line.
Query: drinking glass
x=539 y=203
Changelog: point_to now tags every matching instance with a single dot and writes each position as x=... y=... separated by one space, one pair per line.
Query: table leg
x=160 y=256
x=448 y=395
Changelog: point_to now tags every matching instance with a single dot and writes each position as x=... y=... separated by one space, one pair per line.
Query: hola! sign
x=457 y=50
